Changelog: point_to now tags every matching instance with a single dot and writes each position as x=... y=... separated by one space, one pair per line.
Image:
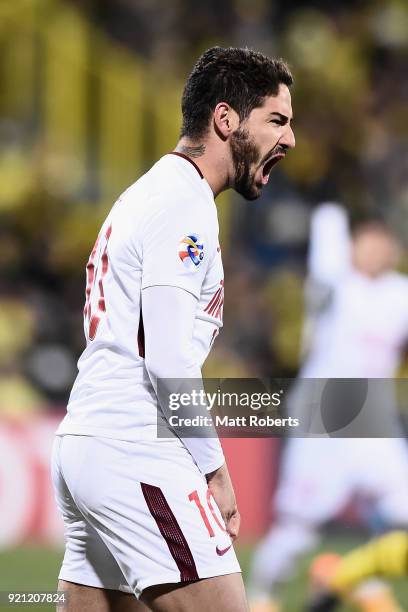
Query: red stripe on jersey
x=213 y=299
x=215 y=303
x=218 y=314
x=141 y=336
x=171 y=531
x=218 y=304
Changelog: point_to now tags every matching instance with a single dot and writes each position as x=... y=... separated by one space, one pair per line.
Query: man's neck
x=192 y=151
x=212 y=162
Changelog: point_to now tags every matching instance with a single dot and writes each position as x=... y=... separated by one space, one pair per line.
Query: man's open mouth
x=269 y=164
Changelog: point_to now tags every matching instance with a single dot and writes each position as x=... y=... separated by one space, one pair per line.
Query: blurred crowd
x=72 y=140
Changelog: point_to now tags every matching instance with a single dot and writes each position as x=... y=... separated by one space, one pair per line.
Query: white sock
x=276 y=555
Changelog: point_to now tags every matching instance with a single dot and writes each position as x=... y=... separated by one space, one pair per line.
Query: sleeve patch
x=191 y=251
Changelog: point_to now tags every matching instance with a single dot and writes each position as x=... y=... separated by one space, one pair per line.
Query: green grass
x=29 y=569
x=36 y=569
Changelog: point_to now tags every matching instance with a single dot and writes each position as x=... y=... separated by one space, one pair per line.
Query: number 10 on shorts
x=194 y=497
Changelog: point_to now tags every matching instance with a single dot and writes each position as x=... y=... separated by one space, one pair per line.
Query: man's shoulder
x=165 y=182
x=176 y=178
x=167 y=197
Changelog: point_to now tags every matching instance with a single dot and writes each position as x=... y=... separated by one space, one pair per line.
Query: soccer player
x=150 y=516
x=336 y=579
x=358 y=327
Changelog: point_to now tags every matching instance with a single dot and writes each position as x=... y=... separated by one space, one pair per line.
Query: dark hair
x=376 y=224
x=240 y=77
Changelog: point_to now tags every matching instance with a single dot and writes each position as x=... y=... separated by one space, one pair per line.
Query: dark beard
x=244 y=154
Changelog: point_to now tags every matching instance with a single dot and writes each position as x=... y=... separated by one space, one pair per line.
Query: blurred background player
x=336 y=578
x=357 y=328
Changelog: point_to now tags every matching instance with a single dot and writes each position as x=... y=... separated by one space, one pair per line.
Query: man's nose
x=288 y=139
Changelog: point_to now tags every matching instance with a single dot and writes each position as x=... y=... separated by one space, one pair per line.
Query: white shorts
x=319 y=477
x=136 y=514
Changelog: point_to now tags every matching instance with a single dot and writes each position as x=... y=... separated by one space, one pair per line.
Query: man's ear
x=226 y=120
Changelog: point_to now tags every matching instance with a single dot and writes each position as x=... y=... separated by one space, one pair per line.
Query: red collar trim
x=189 y=160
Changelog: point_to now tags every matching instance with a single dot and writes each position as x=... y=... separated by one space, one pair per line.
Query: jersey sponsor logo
x=191 y=251
x=222 y=551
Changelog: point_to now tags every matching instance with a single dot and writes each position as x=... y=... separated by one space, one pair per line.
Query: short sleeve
x=177 y=247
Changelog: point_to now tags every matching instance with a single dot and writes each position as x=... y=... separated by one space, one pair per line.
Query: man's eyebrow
x=281 y=116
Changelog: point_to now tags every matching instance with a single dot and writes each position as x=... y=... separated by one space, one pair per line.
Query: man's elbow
x=170 y=365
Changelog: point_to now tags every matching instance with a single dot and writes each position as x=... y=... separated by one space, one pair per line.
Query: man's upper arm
x=176 y=247
x=169 y=348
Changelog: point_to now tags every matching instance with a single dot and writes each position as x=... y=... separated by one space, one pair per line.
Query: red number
x=216 y=519
x=92 y=319
x=194 y=497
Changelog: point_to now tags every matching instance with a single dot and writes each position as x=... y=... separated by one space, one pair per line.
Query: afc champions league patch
x=191 y=251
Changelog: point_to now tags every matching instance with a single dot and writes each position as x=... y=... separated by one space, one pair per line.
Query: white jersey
x=162 y=231
x=361 y=330
x=358 y=332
